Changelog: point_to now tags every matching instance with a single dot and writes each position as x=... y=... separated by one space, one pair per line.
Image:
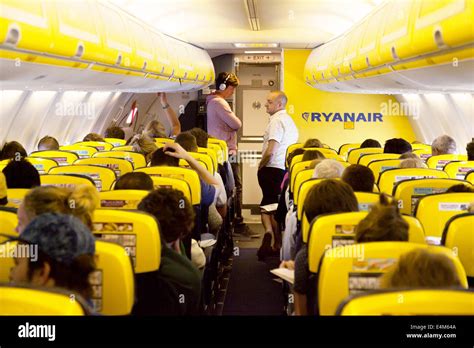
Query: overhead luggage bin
x=93 y=45
x=401 y=47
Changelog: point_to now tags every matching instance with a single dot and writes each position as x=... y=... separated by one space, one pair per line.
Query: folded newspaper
x=285 y=274
x=270 y=207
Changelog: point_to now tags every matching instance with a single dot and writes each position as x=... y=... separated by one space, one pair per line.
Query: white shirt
x=282 y=129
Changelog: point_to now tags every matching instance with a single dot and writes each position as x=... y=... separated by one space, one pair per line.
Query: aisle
x=251 y=289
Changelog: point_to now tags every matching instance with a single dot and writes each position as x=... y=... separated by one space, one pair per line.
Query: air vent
x=394 y=53
x=13 y=36
x=79 y=50
x=438 y=37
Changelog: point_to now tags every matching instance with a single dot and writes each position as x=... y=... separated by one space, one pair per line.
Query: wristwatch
x=165 y=107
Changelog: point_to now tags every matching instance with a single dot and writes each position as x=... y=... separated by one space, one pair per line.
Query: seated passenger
x=443 y=145
x=3 y=190
x=421 y=268
x=155 y=129
x=370 y=143
x=48 y=143
x=412 y=163
x=93 y=137
x=134 y=181
x=328 y=169
x=200 y=135
x=65 y=255
x=80 y=201
x=312 y=142
x=397 y=145
x=329 y=196
x=470 y=151
x=13 y=150
x=309 y=155
x=144 y=145
x=21 y=174
x=460 y=188
x=175 y=215
x=383 y=223
x=115 y=133
x=359 y=177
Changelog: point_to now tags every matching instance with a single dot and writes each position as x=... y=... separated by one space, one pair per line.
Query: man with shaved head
x=280 y=133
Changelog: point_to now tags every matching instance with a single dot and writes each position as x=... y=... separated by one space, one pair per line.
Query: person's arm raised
x=170 y=114
x=181 y=153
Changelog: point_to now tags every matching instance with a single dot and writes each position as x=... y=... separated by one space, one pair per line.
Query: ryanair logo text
x=342 y=117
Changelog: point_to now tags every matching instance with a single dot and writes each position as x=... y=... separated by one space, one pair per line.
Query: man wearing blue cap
x=65 y=255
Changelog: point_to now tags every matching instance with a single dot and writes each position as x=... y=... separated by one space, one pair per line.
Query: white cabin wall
x=435 y=114
x=27 y=116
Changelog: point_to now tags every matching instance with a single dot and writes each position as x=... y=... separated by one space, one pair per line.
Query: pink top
x=222 y=122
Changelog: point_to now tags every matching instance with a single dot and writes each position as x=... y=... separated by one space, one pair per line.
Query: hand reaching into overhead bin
x=170 y=114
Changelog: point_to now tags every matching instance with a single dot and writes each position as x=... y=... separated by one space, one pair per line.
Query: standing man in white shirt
x=280 y=133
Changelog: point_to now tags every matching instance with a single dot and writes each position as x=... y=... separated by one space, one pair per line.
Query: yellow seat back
x=219 y=152
x=354 y=269
x=390 y=177
x=439 y=161
x=296 y=169
x=345 y=148
x=212 y=154
x=8 y=222
x=115 y=142
x=458 y=170
x=63 y=158
x=289 y=150
x=301 y=216
x=98 y=145
x=296 y=159
x=457 y=235
x=222 y=144
x=333 y=230
x=122 y=199
x=434 y=211
x=162 y=141
x=42 y=165
x=134 y=230
x=300 y=178
x=26 y=301
x=8 y=249
x=16 y=196
x=118 y=165
x=65 y=180
x=367 y=200
x=470 y=177
x=417 y=146
x=408 y=192
x=188 y=175
x=354 y=154
x=113 y=283
x=203 y=159
x=325 y=151
x=81 y=151
x=424 y=153
x=378 y=167
x=102 y=177
x=365 y=160
x=137 y=159
x=177 y=184
x=410 y=302
x=128 y=148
